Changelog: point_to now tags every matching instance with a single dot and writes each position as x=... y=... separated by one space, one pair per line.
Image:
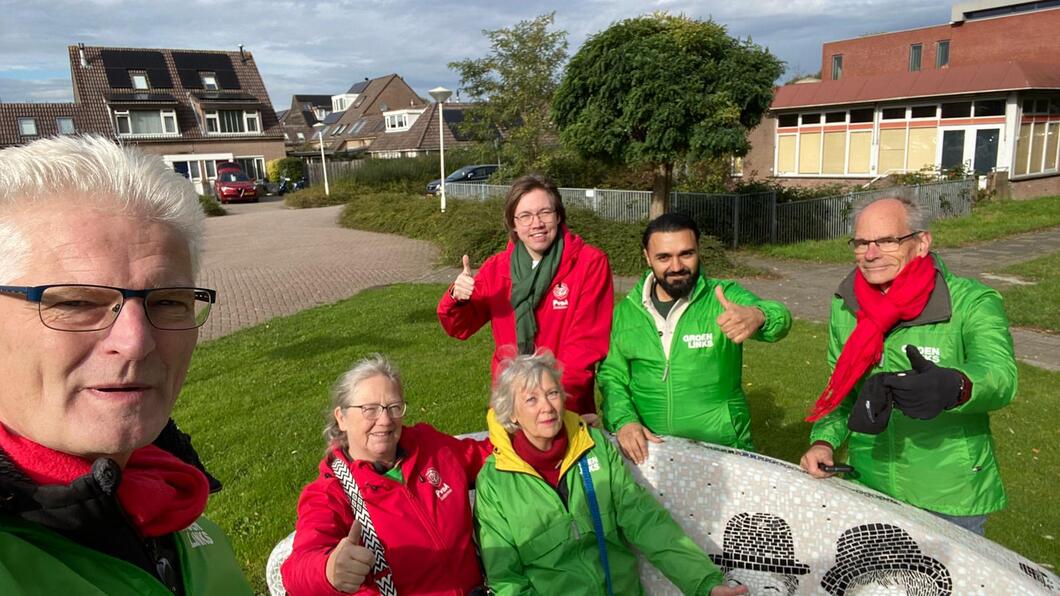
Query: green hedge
x=211 y=207
x=476 y=229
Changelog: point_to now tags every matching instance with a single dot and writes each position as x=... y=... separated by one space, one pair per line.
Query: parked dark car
x=234 y=185
x=476 y=173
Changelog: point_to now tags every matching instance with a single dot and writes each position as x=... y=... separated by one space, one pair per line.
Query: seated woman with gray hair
x=557 y=510
x=389 y=512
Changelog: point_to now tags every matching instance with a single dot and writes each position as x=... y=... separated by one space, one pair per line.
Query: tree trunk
x=660 y=189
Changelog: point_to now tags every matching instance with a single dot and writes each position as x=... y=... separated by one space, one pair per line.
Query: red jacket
x=573 y=318
x=424 y=525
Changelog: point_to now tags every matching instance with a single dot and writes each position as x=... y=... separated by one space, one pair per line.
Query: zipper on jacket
x=423 y=518
x=666 y=371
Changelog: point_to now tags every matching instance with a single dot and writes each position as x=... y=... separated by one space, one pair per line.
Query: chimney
x=81 y=53
x=242 y=53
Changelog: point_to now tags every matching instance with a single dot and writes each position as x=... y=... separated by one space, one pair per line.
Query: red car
x=234 y=185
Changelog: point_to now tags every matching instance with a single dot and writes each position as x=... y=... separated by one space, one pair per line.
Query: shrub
x=475 y=228
x=287 y=167
x=211 y=207
x=410 y=174
x=314 y=196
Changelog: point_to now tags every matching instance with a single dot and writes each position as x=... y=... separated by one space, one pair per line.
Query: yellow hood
x=578 y=442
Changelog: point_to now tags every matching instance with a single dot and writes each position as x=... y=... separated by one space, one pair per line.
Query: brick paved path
x=267 y=261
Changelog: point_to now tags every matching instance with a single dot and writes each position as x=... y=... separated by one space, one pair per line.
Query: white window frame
x=166 y=117
x=249 y=118
x=22 y=128
x=59 y=126
x=209 y=81
x=259 y=164
x=135 y=77
x=301 y=137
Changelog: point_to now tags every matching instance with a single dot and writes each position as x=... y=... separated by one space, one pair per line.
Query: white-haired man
x=921 y=357
x=99 y=313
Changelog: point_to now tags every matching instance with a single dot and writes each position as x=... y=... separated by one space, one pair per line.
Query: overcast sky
x=322 y=47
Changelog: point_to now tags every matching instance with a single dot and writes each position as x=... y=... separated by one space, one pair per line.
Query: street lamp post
x=323 y=164
x=440 y=94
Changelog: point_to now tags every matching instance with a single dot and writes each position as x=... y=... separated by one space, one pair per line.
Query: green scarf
x=529 y=284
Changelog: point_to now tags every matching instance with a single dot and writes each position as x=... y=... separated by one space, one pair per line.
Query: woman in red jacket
x=548 y=289
x=389 y=513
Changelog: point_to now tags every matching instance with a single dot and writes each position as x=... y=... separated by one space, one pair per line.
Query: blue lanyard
x=598 y=524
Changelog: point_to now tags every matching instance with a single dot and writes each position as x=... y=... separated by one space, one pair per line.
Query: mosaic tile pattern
x=776 y=530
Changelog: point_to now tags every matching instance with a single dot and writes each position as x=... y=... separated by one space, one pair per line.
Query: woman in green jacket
x=534 y=508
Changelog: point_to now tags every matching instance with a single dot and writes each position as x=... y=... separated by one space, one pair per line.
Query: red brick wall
x=758 y=163
x=1035 y=187
x=1028 y=37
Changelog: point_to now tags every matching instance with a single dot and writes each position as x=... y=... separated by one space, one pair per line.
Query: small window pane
x=194 y=169
x=123 y=124
x=837 y=67
x=811 y=118
x=893 y=114
x=211 y=168
x=209 y=81
x=835 y=117
x=65 y=126
x=915 y=52
x=139 y=80
x=169 y=123
x=1041 y=106
x=961 y=109
x=1028 y=106
x=27 y=127
x=924 y=111
x=942 y=54
x=861 y=115
x=993 y=107
x=782 y=120
x=1054 y=106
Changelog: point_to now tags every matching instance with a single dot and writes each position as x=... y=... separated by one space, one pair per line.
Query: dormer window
x=139 y=80
x=209 y=81
x=27 y=127
x=399 y=120
x=233 y=122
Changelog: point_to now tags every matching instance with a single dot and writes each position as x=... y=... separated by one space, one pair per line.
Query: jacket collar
x=507 y=460
x=938 y=309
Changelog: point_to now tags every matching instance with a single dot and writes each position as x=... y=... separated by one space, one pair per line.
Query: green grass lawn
x=255 y=401
x=988 y=221
x=1035 y=306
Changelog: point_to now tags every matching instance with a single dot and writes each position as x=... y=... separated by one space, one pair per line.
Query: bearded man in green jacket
x=676 y=355
x=921 y=357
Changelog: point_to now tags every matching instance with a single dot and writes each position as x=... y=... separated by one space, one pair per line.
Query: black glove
x=927 y=390
x=872 y=408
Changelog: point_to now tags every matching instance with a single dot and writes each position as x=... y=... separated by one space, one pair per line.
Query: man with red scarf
x=921 y=357
x=99 y=248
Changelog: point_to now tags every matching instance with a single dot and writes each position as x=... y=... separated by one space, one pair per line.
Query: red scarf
x=878 y=313
x=160 y=493
x=547 y=462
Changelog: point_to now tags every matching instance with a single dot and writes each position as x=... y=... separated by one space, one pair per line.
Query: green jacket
x=945 y=464
x=36 y=560
x=682 y=376
x=533 y=544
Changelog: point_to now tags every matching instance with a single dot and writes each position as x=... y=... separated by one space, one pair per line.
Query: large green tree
x=655 y=89
x=514 y=85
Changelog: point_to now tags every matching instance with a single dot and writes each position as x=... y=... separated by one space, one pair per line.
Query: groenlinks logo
x=698 y=341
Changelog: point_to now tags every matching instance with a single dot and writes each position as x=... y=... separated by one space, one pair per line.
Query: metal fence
x=757 y=218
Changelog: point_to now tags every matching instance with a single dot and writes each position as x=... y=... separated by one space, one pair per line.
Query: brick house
x=417 y=132
x=193 y=108
x=982 y=91
x=361 y=114
x=297 y=122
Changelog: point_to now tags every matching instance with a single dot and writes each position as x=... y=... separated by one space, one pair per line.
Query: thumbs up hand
x=737 y=322
x=350 y=562
x=464 y=284
x=928 y=389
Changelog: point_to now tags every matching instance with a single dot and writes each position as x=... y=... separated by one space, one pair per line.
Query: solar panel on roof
x=118 y=63
x=190 y=64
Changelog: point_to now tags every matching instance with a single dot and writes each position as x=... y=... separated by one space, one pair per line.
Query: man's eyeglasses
x=546 y=216
x=885 y=244
x=79 y=307
x=372 y=411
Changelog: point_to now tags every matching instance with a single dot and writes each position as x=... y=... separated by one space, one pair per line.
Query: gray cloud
x=322 y=47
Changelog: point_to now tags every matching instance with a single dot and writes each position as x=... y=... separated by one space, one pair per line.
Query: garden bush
x=476 y=228
x=314 y=196
x=411 y=174
x=211 y=207
x=287 y=167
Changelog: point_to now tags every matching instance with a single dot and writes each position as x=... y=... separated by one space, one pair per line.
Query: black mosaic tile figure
x=758 y=551
x=882 y=556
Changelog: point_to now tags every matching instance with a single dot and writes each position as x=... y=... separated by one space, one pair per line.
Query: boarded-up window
x=786 y=154
x=1023 y=149
x=892 y=151
x=810 y=153
x=922 y=147
x=860 y=152
x=1051 y=145
x=1037 y=149
x=835 y=148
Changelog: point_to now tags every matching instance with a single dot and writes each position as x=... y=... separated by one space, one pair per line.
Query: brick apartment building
x=981 y=91
x=192 y=108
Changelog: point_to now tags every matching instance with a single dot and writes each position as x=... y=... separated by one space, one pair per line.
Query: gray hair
x=373 y=365
x=95 y=171
x=915 y=216
x=521 y=373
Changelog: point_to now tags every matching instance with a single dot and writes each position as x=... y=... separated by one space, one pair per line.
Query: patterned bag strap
x=384 y=575
x=598 y=524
